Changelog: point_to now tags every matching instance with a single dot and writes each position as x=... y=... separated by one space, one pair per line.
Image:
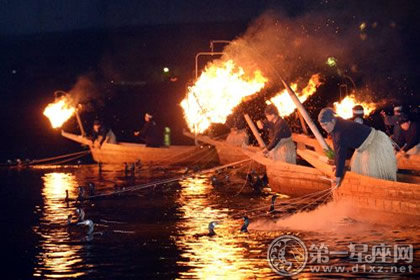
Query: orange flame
x=284 y=103
x=344 y=108
x=59 y=111
x=218 y=90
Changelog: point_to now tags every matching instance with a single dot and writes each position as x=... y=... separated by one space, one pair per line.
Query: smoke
x=299 y=47
x=332 y=216
x=86 y=92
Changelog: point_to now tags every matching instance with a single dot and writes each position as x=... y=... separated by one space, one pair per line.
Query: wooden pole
x=302 y=123
x=254 y=131
x=79 y=121
x=306 y=116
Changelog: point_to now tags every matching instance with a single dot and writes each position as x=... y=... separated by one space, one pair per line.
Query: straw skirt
x=375 y=157
x=285 y=151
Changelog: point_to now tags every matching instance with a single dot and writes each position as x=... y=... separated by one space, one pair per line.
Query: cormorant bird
x=257 y=182
x=211 y=232
x=211 y=227
x=244 y=227
x=273 y=201
x=214 y=181
x=90 y=224
x=80 y=214
x=91 y=188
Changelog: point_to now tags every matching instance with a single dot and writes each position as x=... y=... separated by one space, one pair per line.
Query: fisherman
x=358 y=113
x=409 y=138
x=102 y=134
x=392 y=121
x=150 y=132
x=281 y=146
x=374 y=155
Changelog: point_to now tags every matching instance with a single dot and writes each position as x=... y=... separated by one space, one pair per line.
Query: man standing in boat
x=358 y=113
x=409 y=138
x=392 y=121
x=150 y=132
x=374 y=155
x=281 y=146
x=102 y=134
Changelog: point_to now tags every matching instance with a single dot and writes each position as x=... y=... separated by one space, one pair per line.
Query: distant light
x=166 y=69
x=14 y=71
x=331 y=61
x=362 y=26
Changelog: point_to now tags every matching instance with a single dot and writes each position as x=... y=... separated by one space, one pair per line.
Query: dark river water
x=160 y=232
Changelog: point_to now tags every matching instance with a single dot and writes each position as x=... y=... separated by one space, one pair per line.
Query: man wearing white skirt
x=281 y=146
x=374 y=155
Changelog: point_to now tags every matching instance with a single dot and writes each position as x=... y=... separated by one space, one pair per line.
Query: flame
x=218 y=90
x=59 y=111
x=284 y=103
x=344 y=108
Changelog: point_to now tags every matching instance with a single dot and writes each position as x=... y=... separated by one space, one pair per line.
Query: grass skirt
x=375 y=157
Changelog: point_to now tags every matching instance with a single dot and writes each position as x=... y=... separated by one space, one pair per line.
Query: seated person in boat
x=281 y=146
x=409 y=138
x=374 y=155
x=392 y=121
x=102 y=134
x=150 y=133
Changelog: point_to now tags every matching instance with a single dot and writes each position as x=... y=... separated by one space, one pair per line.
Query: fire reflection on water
x=58 y=258
x=229 y=254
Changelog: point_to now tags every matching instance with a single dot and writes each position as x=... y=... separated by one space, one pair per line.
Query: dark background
x=122 y=47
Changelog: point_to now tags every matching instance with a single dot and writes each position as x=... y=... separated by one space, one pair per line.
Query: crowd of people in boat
x=150 y=134
x=374 y=153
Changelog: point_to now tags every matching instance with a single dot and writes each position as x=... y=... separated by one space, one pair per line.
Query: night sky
x=49 y=45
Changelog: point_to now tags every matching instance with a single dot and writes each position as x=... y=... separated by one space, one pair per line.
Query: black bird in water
x=256 y=182
x=91 y=188
x=273 y=201
x=212 y=225
x=214 y=181
x=67 y=199
x=80 y=214
x=244 y=227
x=211 y=232
x=89 y=224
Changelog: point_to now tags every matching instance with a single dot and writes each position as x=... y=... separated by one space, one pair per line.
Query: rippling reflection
x=58 y=257
x=228 y=255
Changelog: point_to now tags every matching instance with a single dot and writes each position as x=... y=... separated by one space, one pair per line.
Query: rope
x=36 y=161
x=63 y=161
x=165 y=181
x=324 y=196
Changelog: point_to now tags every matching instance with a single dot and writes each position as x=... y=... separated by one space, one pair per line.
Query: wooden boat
x=373 y=199
x=291 y=179
x=226 y=152
x=132 y=153
x=407 y=162
x=285 y=178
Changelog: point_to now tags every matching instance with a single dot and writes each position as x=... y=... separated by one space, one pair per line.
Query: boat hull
x=292 y=179
x=131 y=153
x=371 y=198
